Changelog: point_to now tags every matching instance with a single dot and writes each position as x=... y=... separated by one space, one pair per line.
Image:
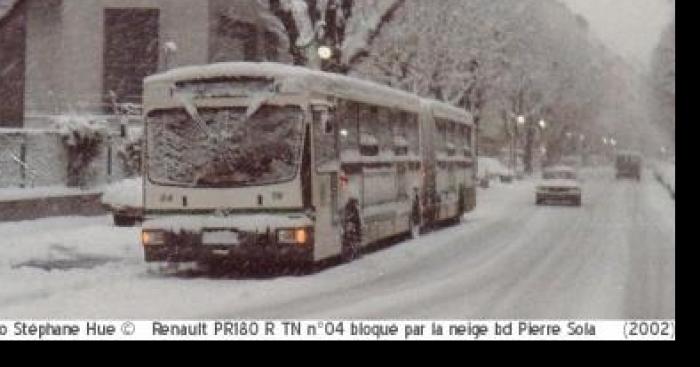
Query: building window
x=235 y=41
x=131 y=53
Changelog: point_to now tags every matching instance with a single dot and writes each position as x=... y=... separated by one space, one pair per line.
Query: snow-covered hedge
x=83 y=137
x=76 y=129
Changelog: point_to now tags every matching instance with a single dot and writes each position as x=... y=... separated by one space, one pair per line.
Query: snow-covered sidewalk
x=16 y=193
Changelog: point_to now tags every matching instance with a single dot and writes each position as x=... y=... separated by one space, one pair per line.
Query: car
x=559 y=184
x=628 y=164
x=125 y=200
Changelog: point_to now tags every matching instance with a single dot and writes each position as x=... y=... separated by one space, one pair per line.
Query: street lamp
x=325 y=52
x=521 y=120
x=543 y=124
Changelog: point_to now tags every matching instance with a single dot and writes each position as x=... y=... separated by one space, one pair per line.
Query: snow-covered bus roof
x=292 y=78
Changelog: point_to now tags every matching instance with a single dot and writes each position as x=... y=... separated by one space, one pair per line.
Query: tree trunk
x=529 y=137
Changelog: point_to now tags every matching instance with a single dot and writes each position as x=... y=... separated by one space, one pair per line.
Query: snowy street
x=613 y=258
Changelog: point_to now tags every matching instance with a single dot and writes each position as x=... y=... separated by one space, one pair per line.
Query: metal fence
x=38 y=158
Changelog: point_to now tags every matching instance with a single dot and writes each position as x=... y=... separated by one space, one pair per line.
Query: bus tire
x=351 y=245
x=123 y=221
x=352 y=233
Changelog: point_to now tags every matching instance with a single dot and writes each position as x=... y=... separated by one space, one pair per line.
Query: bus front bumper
x=190 y=248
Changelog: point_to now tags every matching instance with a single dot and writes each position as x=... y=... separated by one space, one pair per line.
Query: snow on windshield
x=259 y=150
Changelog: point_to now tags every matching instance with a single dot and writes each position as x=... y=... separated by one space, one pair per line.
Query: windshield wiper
x=191 y=110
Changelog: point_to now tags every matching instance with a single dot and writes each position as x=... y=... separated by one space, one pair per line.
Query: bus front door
x=327 y=177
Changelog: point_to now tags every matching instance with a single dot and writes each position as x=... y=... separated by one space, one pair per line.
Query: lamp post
x=170 y=50
x=543 y=126
x=582 y=139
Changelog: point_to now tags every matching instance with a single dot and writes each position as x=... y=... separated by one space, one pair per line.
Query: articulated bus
x=263 y=161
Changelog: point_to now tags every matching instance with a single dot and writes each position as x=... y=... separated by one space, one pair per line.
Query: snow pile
x=125 y=193
x=12 y=194
x=65 y=238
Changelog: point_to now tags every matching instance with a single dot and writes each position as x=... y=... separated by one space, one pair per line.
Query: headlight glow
x=296 y=236
x=152 y=238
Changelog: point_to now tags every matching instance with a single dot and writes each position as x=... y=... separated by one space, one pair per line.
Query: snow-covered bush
x=82 y=136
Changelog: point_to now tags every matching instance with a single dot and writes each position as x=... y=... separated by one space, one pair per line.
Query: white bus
x=275 y=162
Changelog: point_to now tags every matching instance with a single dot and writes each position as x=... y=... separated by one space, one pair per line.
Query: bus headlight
x=297 y=236
x=152 y=237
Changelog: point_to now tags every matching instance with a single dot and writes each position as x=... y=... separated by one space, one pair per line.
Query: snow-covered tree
x=518 y=57
x=664 y=78
x=346 y=27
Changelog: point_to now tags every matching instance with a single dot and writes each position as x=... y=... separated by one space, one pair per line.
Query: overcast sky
x=630 y=27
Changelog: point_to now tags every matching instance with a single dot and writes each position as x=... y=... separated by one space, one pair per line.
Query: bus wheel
x=352 y=239
x=123 y=221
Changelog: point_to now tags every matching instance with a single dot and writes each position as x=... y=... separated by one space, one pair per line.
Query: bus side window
x=369 y=128
x=413 y=132
x=348 y=125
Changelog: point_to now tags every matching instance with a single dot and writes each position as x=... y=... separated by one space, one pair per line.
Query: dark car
x=628 y=165
x=125 y=200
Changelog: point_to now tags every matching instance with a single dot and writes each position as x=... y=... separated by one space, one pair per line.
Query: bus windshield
x=559 y=175
x=232 y=150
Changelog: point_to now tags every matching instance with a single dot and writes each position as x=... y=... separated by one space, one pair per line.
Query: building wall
x=44 y=42
x=65 y=47
x=12 y=65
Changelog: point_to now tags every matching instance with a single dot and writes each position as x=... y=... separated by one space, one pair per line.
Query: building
x=77 y=56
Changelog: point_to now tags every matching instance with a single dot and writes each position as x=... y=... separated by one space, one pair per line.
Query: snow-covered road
x=612 y=258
